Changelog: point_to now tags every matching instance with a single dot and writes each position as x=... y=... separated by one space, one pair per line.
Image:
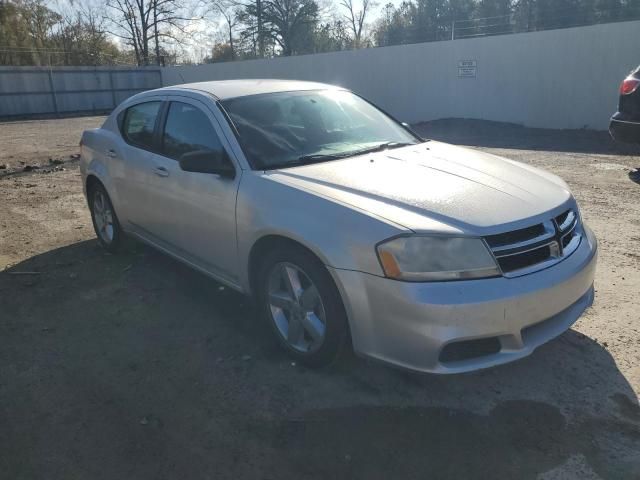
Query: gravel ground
x=133 y=366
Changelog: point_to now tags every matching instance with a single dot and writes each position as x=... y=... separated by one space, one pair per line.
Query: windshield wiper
x=304 y=160
x=321 y=157
x=384 y=146
x=318 y=157
x=378 y=148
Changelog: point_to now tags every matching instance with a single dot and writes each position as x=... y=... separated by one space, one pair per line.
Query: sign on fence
x=467 y=68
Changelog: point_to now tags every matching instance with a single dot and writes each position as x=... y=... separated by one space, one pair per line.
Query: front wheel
x=301 y=302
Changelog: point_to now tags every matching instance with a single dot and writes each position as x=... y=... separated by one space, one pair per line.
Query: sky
x=203 y=34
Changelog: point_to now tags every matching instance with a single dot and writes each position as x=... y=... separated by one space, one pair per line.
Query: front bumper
x=409 y=324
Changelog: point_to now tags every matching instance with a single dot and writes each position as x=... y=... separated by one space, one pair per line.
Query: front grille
x=515 y=236
x=530 y=249
x=528 y=259
x=561 y=219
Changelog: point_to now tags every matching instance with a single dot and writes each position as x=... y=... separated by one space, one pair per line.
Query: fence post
x=53 y=90
x=113 y=92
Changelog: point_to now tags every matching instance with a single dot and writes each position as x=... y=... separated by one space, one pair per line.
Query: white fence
x=555 y=79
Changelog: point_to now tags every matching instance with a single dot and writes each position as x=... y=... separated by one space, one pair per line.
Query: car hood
x=434 y=186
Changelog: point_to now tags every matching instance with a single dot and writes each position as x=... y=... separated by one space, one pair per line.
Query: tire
x=309 y=350
x=104 y=219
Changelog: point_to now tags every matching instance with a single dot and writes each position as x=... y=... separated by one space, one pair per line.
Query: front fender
x=341 y=236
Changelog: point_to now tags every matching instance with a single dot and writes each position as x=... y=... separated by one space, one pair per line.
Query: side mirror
x=208 y=161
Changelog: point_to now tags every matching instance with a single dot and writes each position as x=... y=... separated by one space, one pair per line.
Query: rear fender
x=94 y=162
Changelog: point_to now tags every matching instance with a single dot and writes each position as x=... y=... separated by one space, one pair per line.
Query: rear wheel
x=299 y=299
x=104 y=218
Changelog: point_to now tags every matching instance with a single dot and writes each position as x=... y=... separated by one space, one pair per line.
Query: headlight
x=427 y=259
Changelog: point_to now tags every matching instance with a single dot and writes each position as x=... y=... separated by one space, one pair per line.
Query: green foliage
x=331 y=37
x=432 y=20
x=289 y=24
x=222 y=52
x=33 y=34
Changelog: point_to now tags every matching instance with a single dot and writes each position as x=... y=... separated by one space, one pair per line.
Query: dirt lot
x=132 y=366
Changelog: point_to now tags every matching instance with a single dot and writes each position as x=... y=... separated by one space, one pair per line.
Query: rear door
x=193 y=214
x=131 y=159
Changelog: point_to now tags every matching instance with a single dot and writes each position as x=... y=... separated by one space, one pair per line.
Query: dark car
x=625 y=123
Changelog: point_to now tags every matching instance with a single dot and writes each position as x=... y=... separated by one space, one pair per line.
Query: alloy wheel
x=296 y=307
x=103 y=217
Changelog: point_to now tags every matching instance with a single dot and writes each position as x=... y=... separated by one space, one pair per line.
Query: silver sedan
x=347 y=228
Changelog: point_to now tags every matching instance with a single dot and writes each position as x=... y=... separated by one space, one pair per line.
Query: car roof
x=225 y=89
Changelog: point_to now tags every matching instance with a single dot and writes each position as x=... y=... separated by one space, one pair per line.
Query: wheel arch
x=90 y=183
x=97 y=176
x=269 y=242
x=276 y=240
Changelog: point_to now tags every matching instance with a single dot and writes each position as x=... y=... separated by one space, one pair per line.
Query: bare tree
x=143 y=21
x=356 y=18
x=228 y=10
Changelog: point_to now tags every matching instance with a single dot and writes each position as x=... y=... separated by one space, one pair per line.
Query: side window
x=188 y=129
x=139 y=122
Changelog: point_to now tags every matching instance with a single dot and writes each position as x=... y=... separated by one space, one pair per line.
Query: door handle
x=111 y=153
x=161 y=171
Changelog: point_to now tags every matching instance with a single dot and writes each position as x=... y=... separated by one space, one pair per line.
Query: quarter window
x=139 y=123
x=187 y=130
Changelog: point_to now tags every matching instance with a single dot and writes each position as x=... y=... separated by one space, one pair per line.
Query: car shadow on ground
x=134 y=366
x=483 y=133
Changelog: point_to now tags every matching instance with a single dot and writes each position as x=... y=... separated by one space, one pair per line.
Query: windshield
x=278 y=130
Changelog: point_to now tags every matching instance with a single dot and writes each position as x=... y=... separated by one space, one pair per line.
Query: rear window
x=139 y=123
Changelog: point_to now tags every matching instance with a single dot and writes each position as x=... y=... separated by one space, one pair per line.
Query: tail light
x=629 y=85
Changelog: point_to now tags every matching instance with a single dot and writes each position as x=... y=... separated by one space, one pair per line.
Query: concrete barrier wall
x=553 y=79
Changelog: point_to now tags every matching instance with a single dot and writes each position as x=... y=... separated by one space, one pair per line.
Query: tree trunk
x=233 y=52
x=155 y=31
x=260 y=35
x=137 y=52
x=144 y=27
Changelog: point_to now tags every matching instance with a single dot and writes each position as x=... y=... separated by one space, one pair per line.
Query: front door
x=193 y=214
